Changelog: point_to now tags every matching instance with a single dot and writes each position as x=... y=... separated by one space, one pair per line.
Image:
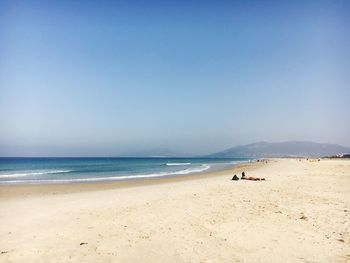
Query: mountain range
x=282 y=149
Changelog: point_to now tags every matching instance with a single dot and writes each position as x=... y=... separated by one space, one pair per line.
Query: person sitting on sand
x=251 y=178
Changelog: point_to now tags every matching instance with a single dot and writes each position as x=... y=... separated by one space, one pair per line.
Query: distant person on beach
x=251 y=178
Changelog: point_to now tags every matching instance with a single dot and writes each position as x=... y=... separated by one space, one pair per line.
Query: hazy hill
x=280 y=149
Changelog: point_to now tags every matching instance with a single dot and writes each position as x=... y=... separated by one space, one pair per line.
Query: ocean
x=70 y=170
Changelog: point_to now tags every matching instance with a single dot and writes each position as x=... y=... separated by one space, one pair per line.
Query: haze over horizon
x=111 y=77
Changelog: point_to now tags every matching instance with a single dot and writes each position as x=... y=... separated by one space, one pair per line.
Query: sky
x=107 y=78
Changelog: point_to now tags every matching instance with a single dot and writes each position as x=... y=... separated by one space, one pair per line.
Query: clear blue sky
x=111 y=77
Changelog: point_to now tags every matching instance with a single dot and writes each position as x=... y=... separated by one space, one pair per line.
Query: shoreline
x=17 y=190
x=299 y=214
x=75 y=173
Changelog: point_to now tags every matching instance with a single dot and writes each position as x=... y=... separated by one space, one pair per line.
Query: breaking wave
x=111 y=178
x=176 y=164
x=33 y=173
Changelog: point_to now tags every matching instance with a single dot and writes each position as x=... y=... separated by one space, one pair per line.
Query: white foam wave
x=33 y=173
x=176 y=164
x=114 y=178
x=202 y=168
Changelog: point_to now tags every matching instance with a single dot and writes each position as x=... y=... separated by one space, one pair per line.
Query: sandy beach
x=301 y=213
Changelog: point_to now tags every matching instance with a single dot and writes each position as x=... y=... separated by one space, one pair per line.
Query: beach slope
x=301 y=213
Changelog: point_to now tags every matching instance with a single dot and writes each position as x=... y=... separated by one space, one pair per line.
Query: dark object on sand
x=83 y=243
x=235 y=178
x=251 y=178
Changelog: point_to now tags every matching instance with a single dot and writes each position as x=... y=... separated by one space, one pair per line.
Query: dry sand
x=300 y=214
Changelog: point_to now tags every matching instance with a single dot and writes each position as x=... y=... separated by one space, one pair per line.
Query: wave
x=33 y=173
x=202 y=168
x=114 y=178
x=175 y=164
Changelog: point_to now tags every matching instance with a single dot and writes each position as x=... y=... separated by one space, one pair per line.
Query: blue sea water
x=66 y=170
